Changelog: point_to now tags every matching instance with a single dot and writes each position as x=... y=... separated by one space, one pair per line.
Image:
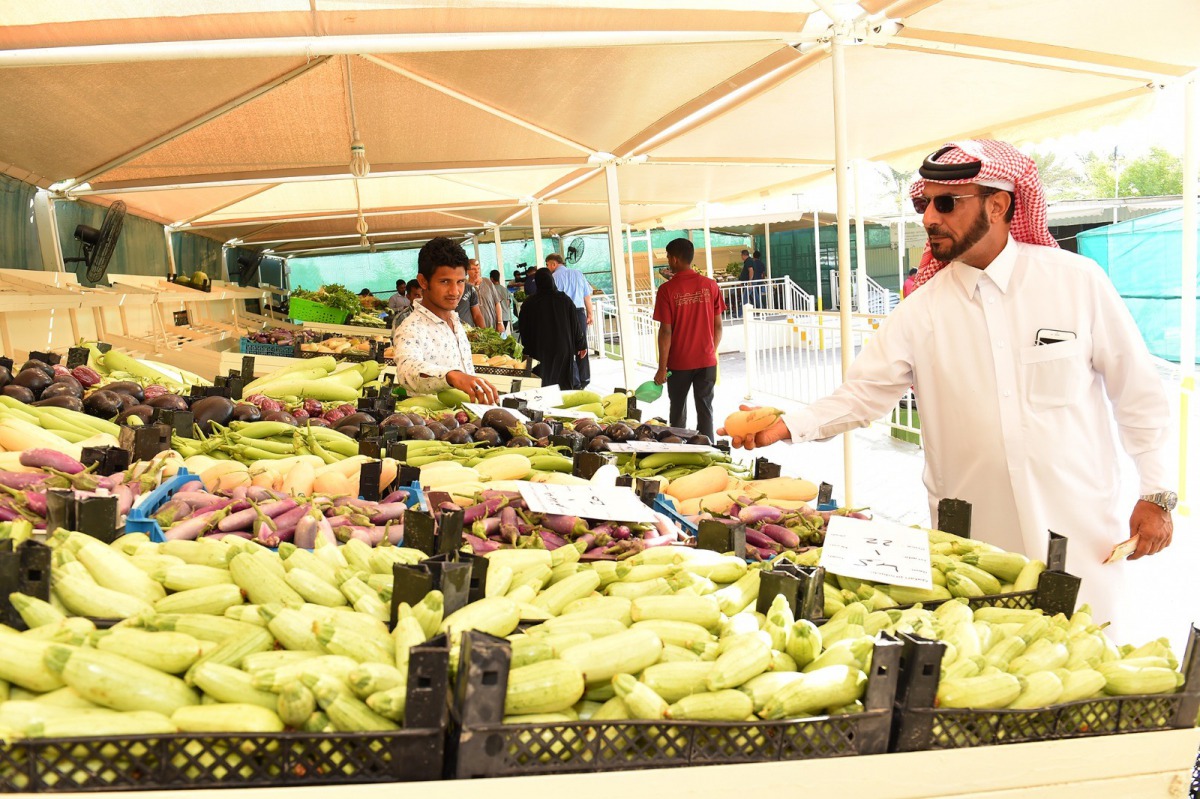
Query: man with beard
x=1016 y=349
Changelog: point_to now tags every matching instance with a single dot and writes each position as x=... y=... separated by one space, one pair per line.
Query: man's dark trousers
x=585 y=366
x=702 y=382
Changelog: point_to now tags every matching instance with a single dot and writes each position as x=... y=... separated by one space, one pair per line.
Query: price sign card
x=480 y=410
x=568 y=413
x=646 y=447
x=878 y=551
x=616 y=503
x=540 y=399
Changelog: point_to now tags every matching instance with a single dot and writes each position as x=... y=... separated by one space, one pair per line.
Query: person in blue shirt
x=572 y=283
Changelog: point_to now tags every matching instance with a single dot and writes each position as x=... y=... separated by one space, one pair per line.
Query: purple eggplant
x=480 y=546
x=395 y=532
x=243 y=519
x=275 y=508
x=781 y=535
x=509 y=531
x=172 y=510
x=597 y=553
x=217 y=536
x=21 y=480
x=622 y=532
x=388 y=512
x=756 y=514
x=551 y=539
x=125 y=496
x=51 y=459
x=8 y=515
x=481 y=510
x=262 y=494
x=761 y=540
x=192 y=528
x=399 y=496
x=483 y=528
x=658 y=541
x=566 y=526
x=305 y=536
x=266 y=536
x=325 y=530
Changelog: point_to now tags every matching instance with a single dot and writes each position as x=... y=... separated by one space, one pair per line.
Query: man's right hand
x=475 y=387
x=660 y=376
x=773 y=434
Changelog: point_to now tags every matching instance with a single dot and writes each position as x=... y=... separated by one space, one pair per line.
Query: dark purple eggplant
x=458 y=436
x=172 y=402
x=105 y=404
x=397 y=420
x=416 y=419
x=126 y=387
x=63 y=390
x=352 y=430
x=487 y=436
x=277 y=416
x=448 y=421
x=33 y=379
x=419 y=433
x=42 y=366
x=598 y=444
x=539 y=430
x=19 y=393
x=670 y=439
x=358 y=419
x=68 y=380
x=142 y=412
x=246 y=412
x=700 y=439
x=60 y=401
x=315 y=421
x=438 y=429
x=5 y=376
x=212 y=410
x=520 y=441
x=620 y=432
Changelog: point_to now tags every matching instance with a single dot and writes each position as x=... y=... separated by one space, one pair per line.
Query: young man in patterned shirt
x=431 y=347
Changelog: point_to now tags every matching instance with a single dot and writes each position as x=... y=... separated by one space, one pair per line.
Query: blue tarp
x=1142 y=257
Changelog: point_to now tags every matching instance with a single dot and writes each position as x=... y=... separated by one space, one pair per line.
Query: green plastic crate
x=309 y=311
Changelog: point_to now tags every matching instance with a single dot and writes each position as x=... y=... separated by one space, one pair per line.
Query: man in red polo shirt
x=688 y=311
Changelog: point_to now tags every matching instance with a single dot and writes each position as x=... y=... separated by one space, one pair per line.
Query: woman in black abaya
x=551 y=332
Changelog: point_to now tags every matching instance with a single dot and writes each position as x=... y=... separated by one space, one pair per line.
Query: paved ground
x=887 y=477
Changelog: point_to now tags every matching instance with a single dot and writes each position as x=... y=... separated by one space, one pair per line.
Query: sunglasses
x=944 y=203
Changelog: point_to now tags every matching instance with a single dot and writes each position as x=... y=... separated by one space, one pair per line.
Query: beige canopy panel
x=235 y=118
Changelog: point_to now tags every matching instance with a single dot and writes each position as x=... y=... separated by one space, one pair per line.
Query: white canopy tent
x=235 y=118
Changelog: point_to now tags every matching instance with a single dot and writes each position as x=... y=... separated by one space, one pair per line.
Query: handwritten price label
x=540 y=399
x=878 y=551
x=615 y=503
x=568 y=413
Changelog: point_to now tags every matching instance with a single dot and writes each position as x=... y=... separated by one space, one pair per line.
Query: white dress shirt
x=426 y=348
x=1021 y=431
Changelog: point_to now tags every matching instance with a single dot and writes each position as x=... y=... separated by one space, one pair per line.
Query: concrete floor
x=1163 y=600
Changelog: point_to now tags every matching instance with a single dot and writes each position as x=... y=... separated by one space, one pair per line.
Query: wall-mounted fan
x=575 y=250
x=248 y=269
x=98 y=246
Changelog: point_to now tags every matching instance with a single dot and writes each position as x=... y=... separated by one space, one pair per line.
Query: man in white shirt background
x=431 y=347
x=1022 y=357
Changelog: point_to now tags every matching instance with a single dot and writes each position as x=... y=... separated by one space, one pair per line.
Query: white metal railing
x=879 y=299
x=778 y=294
x=606 y=341
x=798 y=357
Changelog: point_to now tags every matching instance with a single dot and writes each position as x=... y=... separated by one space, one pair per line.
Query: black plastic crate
x=920 y=726
x=481 y=746
x=144 y=762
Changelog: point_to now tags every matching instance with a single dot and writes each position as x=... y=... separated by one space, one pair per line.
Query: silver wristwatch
x=1163 y=499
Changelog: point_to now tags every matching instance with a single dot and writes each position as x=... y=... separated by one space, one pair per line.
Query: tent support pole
x=901 y=234
x=629 y=260
x=707 y=242
x=1187 y=303
x=650 y=266
x=499 y=252
x=625 y=329
x=47 y=231
x=841 y=145
x=767 y=247
x=172 y=269
x=860 y=240
x=539 y=257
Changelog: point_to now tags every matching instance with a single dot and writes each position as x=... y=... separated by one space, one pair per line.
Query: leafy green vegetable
x=486 y=341
x=334 y=296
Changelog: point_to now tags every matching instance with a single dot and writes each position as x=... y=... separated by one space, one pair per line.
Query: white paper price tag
x=540 y=399
x=616 y=503
x=568 y=413
x=646 y=447
x=480 y=410
x=878 y=551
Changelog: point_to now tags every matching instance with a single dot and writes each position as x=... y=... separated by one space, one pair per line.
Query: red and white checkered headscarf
x=1000 y=162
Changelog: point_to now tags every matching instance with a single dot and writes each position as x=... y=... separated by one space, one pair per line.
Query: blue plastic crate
x=666 y=505
x=141 y=518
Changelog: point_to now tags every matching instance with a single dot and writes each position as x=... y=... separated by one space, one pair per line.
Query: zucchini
x=118 y=682
x=168 y=652
x=227 y=684
x=549 y=686
x=227 y=718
